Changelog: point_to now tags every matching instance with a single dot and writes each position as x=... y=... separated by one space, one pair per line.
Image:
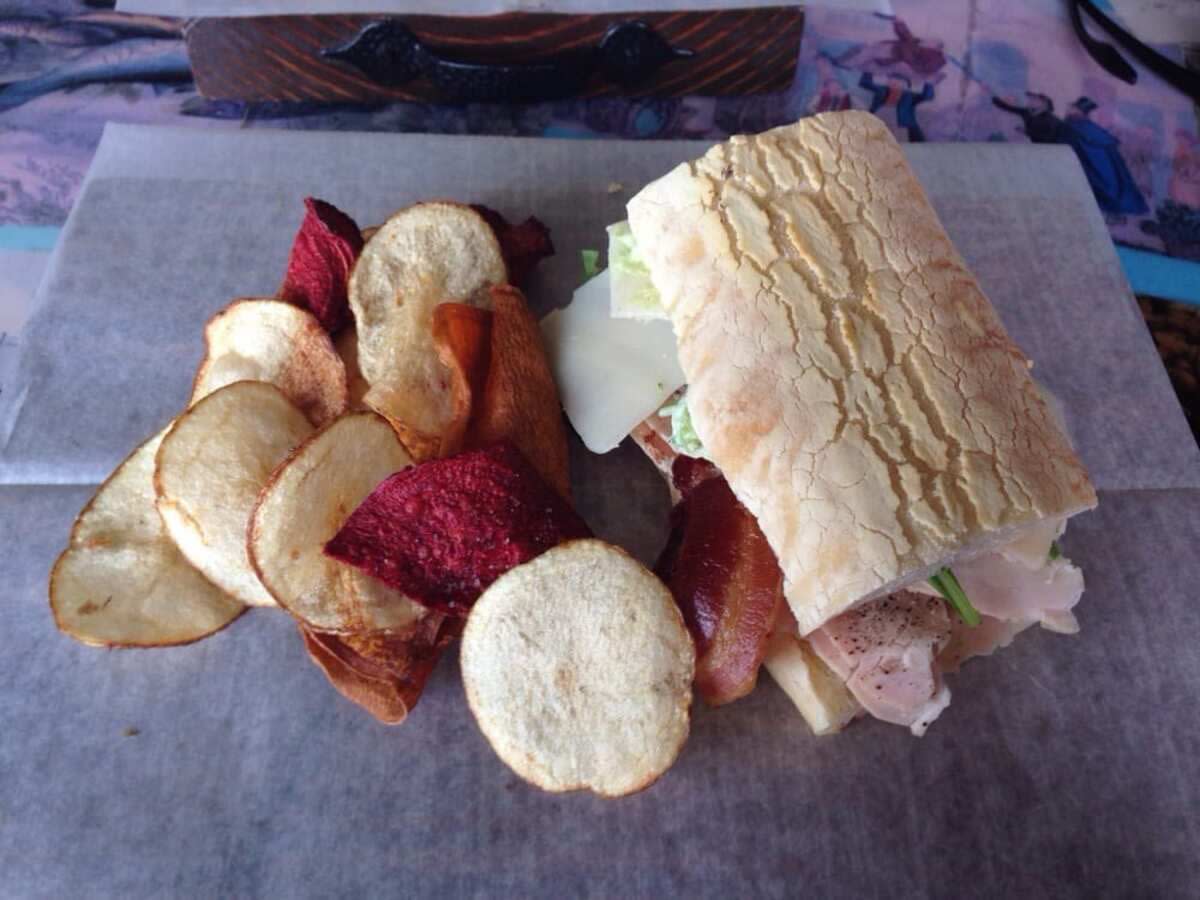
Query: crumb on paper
x=615 y=187
x=130 y=731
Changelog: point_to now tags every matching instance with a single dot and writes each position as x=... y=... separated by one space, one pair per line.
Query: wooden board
x=279 y=57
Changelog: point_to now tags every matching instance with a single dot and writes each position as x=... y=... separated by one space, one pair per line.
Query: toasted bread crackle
x=845 y=370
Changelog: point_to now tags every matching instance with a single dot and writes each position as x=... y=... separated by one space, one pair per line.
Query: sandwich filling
x=889 y=656
x=890 y=653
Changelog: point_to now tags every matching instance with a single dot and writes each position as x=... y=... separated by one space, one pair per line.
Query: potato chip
x=520 y=400
x=304 y=505
x=578 y=669
x=424 y=255
x=273 y=341
x=463 y=336
x=383 y=674
x=444 y=530
x=208 y=473
x=346 y=345
x=322 y=256
x=121 y=582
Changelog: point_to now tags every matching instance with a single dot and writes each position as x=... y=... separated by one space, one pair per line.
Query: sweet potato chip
x=502 y=385
x=424 y=255
x=121 y=582
x=444 y=530
x=304 y=504
x=523 y=246
x=462 y=335
x=273 y=341
x=209 y=470
x=383 y=674
x=520 y=400
x=322 y=256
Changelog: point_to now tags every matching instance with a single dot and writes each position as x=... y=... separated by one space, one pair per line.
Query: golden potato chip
x=208 y=473
x=578 y=668
x=385 y=675
x=346 y=345
x=307 y=500
x=424 y=255
x=121 y=582
x=276 y=342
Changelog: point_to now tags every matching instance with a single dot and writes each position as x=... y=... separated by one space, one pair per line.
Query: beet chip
x=444 y=530
x=318 y=271
x=523 y=246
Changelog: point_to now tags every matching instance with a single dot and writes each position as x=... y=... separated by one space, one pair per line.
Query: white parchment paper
x=1065 y=766
x=174 y=223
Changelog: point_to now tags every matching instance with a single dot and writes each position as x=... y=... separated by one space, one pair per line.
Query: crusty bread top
x=845 y=371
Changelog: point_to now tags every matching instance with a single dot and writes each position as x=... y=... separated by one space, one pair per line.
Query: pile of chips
x=379 y=450
x=281 y=451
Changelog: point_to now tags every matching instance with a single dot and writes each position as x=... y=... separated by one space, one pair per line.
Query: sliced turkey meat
x=887 y=652
x=984 y=639
x=893 y=652
x=1008 y=590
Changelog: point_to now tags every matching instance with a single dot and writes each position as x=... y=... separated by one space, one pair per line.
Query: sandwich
x=869 y=483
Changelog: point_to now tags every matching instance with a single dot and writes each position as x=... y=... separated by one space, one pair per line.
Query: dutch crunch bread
x=845 y=371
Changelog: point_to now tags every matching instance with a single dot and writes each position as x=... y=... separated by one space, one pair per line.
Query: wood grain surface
x=279 y=57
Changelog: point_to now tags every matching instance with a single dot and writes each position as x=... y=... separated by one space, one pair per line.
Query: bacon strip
x=724 y=578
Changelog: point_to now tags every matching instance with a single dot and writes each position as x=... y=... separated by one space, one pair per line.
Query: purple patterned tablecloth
x=938 y=70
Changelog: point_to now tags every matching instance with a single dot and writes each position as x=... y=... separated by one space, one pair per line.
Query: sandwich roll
x=848 y=389
x=845 y=372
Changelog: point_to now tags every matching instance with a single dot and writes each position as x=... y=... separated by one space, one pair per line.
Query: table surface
x=1065 y=766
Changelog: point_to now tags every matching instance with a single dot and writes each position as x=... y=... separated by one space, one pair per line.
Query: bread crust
x=845 y=370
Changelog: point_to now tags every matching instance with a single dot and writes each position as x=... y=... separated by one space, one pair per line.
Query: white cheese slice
x=611 y=373
x=819 y=695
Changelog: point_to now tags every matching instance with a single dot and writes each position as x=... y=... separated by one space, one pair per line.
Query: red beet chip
x=523 y=246
x=318 y=271
x=444 y=530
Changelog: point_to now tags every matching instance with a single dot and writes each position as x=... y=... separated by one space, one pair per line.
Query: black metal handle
x=389 y=53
